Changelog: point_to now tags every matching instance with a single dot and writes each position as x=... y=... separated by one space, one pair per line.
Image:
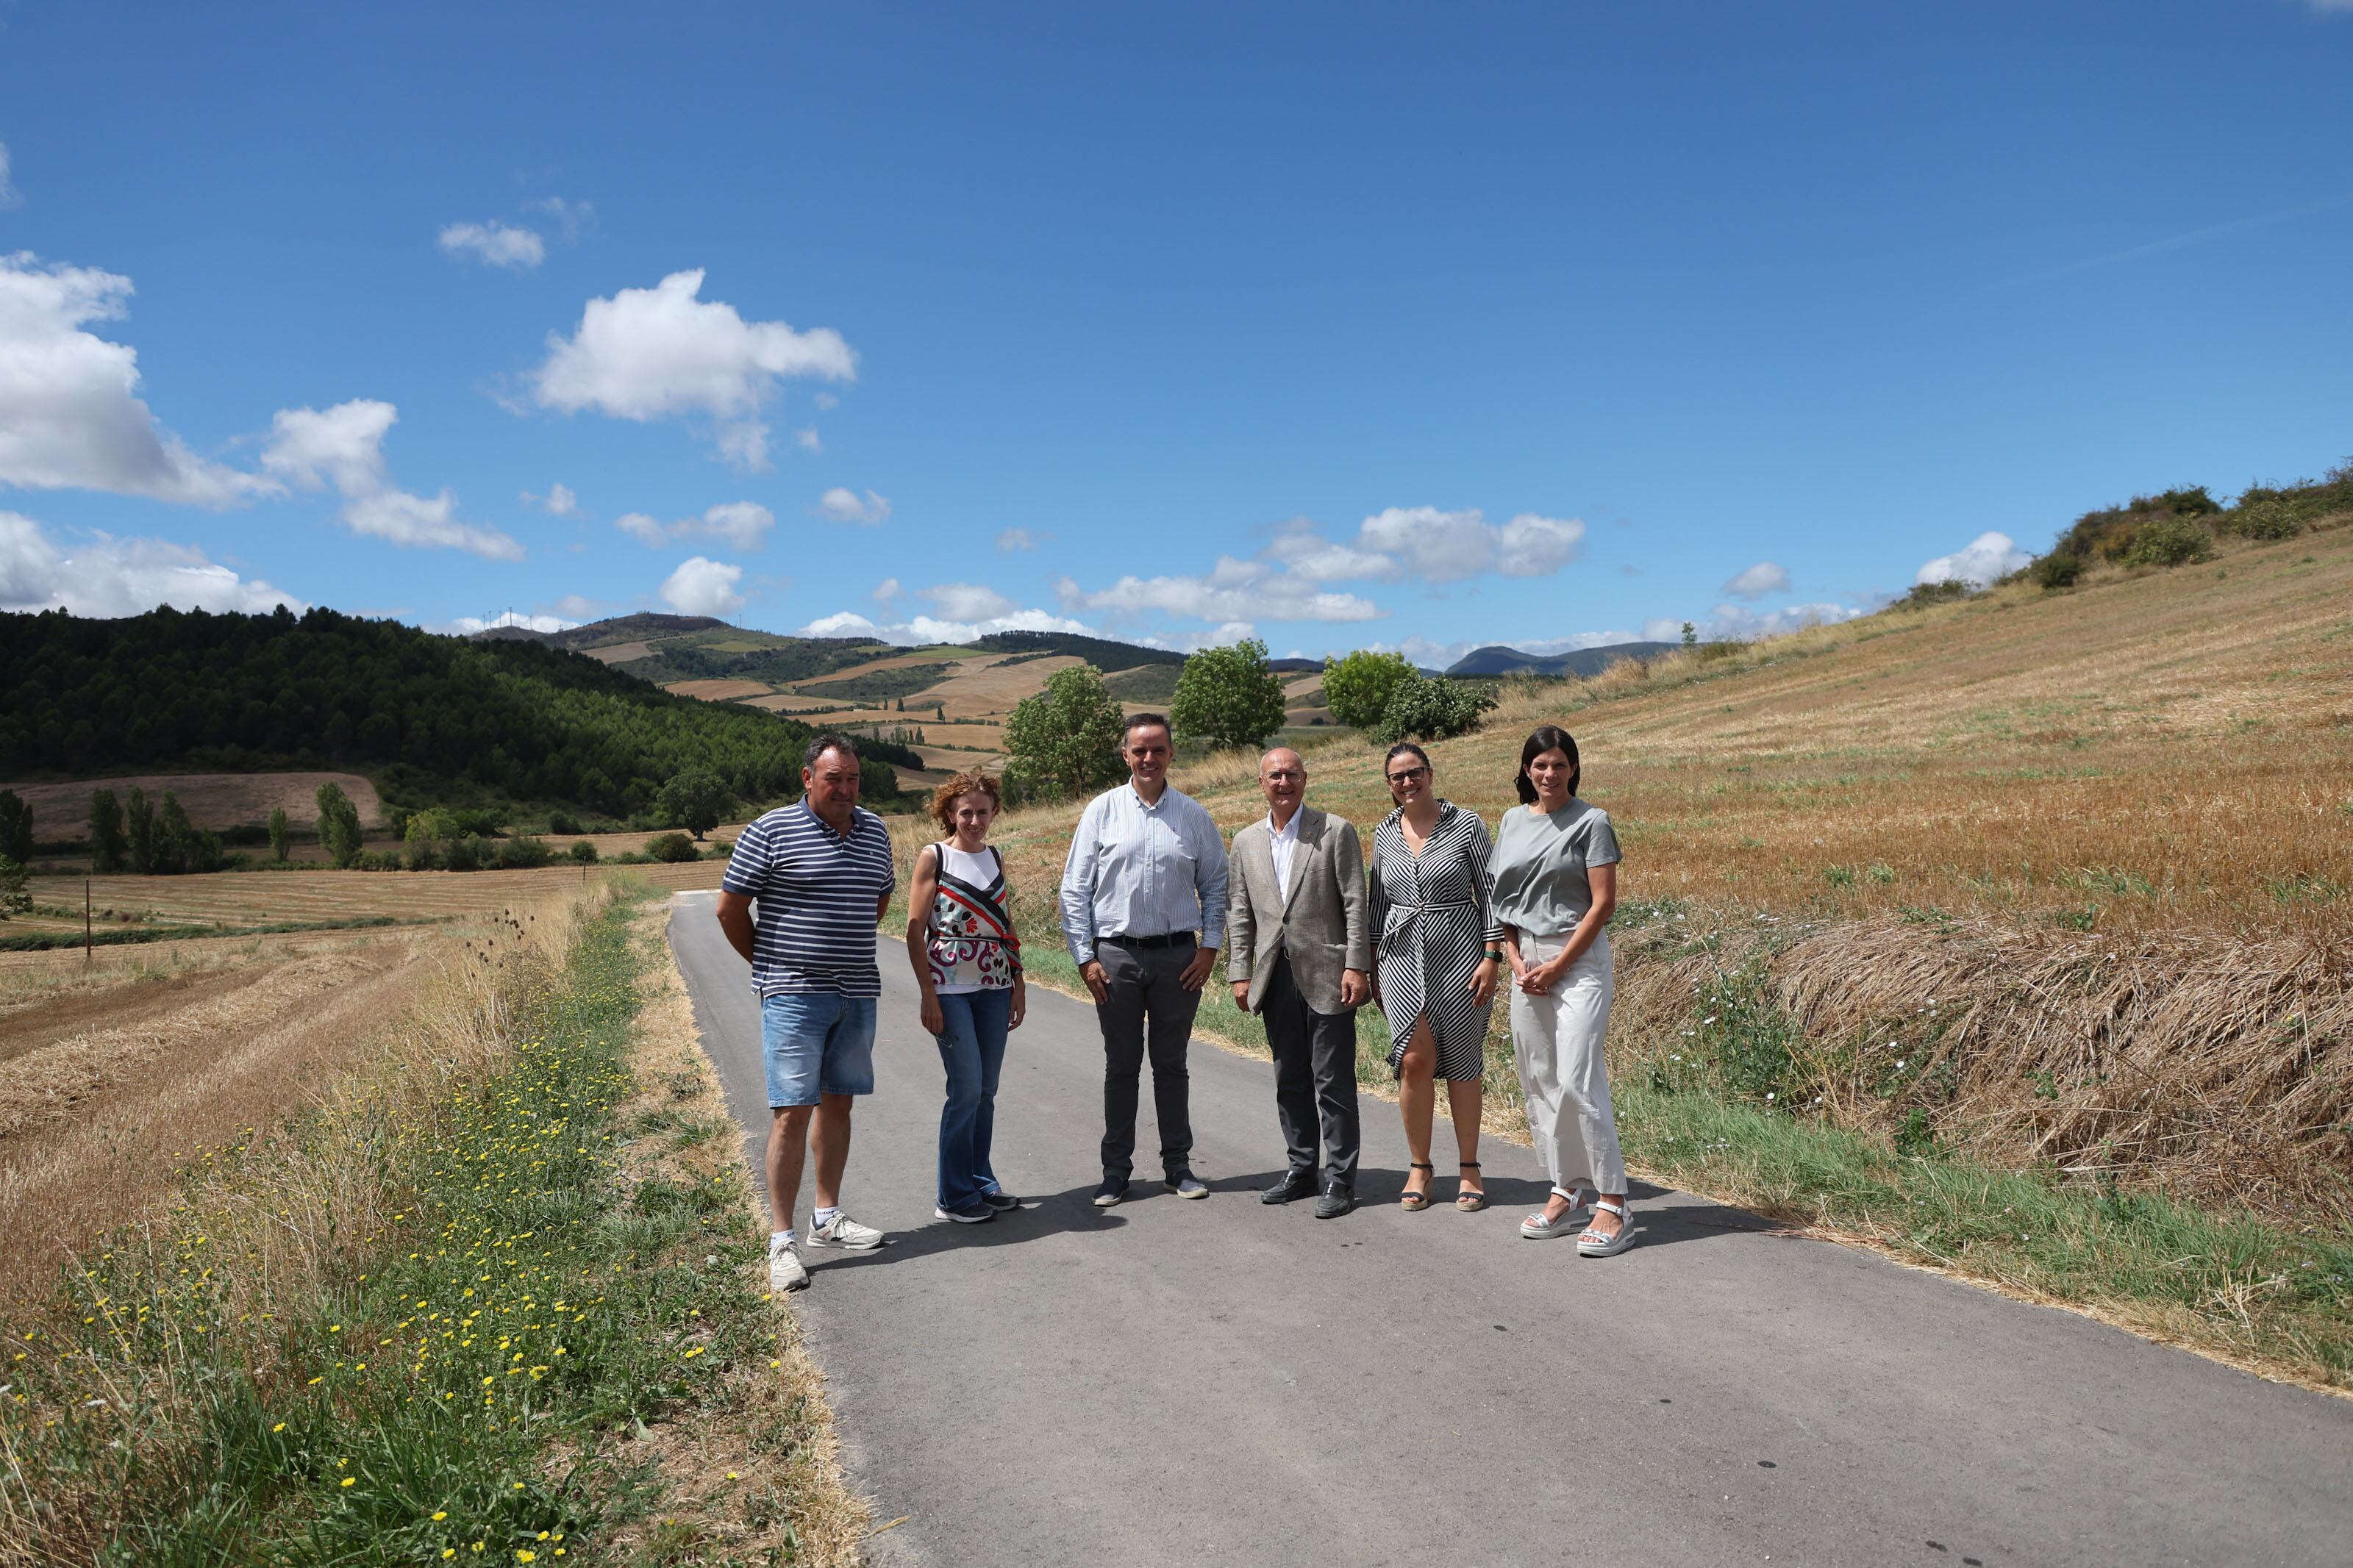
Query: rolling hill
x=1587 y=662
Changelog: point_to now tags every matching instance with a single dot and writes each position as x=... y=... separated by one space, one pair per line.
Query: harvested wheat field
x=211 y=800
x=719 y=690
x=2064 y=878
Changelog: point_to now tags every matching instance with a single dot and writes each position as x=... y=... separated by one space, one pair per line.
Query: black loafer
x=1337 y=1201
x=1113 y=1190
x=1296 y=1186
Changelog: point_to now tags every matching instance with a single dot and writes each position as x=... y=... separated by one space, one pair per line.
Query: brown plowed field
x=211 y=800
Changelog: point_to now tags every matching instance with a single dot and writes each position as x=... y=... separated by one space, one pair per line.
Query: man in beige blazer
x=1299 y=955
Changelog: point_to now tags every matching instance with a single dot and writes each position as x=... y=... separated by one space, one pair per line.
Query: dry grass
x=262 y=898
x=2112 y=830
x=759 y=1471
x=211 y=800
x=719 y=690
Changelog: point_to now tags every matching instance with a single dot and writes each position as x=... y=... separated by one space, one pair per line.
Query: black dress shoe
x=1337 y=1201
x=1293 y=1186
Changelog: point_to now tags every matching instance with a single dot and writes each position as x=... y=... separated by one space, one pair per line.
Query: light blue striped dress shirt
x=1144 y=870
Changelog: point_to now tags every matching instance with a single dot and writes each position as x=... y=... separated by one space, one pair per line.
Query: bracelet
x=1494 y=955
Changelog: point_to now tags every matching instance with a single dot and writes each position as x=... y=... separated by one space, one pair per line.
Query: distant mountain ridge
x=1498 y=660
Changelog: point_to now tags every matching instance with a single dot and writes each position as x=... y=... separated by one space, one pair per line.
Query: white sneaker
x=843 y=1231
x=785 y=1271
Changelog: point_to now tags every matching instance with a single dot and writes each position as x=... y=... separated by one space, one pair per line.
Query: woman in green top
x=1554 y=876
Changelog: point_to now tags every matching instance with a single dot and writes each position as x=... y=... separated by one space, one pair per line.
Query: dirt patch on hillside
x=211 y=800
x=719 y=690
x=620 y=652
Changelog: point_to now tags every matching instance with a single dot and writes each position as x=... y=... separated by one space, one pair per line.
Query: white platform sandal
x=1593 y=1244
x=1536 y=1228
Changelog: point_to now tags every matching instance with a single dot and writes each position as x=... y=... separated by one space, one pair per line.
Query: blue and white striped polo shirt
x=815 y=892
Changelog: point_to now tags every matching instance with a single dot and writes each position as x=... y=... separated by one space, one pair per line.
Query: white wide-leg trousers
x=1557 y=1039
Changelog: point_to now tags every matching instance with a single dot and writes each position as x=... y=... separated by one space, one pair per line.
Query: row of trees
x=1064 y=740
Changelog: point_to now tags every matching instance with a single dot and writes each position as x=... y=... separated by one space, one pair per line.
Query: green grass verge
x=450 y=1388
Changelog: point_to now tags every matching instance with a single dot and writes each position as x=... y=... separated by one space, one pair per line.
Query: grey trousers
x=1314 y=1077
x=1147 y=1009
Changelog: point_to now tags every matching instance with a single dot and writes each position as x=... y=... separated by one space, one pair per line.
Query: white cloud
x=104 y=576
x=807 y=440
x=467 y=626
x=703 y=587
x=826 y=400
x=579 y=607
x=344 y=447
x=920 y=629
x=9 y=195
x=495 y=245
x=1536 y=546
x=968 y=602
x=1234 y=591
x=886 y=590
x=741 y=523
x=1736 y=622
x=560 y=501
x=571 y=217
x=840 y=505
x=1014 y=539
x=1757 y=581
x=1980 y=561
x=70 y=416
x=661 y=352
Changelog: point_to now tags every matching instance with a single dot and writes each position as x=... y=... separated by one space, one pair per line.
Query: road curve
x=1225 y=1383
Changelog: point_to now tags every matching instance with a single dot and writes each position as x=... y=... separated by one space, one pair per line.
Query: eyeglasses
x=1409 y=775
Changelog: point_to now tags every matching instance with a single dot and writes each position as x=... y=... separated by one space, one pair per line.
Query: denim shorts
x=817 y=1043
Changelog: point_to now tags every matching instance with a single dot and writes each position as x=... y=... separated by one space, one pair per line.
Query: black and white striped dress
x=1431 y=914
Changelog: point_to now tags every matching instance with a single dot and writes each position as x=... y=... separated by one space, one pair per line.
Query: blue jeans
x=971 y=1049
x=817 y=1043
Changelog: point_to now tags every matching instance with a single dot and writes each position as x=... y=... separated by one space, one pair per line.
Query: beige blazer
x=1322 y=922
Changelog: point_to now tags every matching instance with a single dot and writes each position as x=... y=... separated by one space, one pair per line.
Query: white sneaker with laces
x=785 y=1271
x=843 y=1231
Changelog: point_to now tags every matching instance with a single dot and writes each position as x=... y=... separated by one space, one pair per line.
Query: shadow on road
x=1072 y=1210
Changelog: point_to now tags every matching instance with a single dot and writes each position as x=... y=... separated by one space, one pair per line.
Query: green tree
x=585 y=851
x=1356 y=689
x=16 y=896
x=139 y=831
x=1690 y=635
x=281 y=835
x=169 y=856
x=1064 y=740
x=1227 y=696
x=695 y=800
x=16 y=827
x=1430 y=708
x=339 y=825
x=108 y=850
x=671 y=848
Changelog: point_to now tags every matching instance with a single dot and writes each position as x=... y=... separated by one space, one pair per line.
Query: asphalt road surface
x=1219 y=1381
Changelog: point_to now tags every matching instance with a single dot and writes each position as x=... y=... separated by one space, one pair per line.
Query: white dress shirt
x=1142 y=870
x=1285 y=841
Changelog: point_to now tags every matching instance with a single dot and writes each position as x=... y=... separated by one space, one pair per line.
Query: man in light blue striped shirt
x=1144 y=907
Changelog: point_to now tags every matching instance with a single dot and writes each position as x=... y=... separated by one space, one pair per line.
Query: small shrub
x=585 y=852
x=2058 y=570
x=377 y=860
x=1924 y=594
x=563 y=821
x=1432 y=707
x=671 y=848
x=2170 y=541
x=524 y=854
x=466 y=854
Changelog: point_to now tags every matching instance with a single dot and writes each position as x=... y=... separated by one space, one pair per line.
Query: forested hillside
x=426 y=714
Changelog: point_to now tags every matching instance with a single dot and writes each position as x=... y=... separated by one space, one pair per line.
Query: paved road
x=1223 y=1382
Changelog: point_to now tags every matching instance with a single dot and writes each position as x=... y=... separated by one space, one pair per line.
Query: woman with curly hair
x=967 y=964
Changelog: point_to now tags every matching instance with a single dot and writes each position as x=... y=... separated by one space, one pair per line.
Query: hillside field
x=215 y=801
x=2068 y=874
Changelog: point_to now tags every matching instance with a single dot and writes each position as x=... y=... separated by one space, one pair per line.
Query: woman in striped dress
x=1439 y=951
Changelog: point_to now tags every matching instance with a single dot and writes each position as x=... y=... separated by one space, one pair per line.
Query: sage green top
x=1537 y=872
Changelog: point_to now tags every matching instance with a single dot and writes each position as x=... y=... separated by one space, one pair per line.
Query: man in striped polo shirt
x=819 y=871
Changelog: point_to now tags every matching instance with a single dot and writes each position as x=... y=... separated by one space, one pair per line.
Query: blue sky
x=1351 y=325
